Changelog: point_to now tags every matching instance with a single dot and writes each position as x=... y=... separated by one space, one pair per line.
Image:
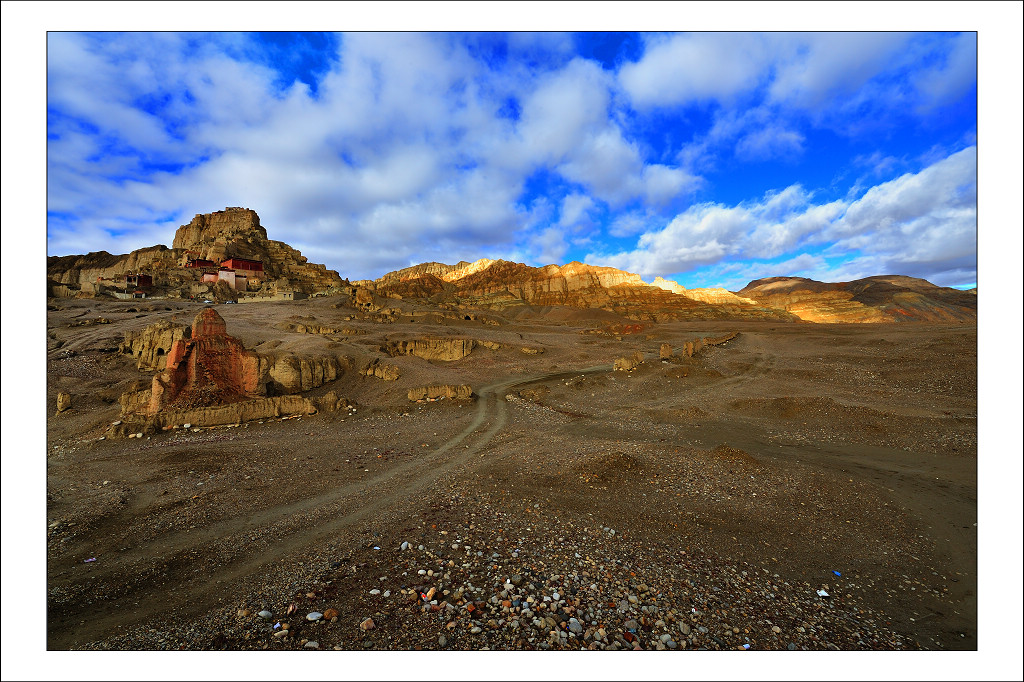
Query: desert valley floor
x=689 y=503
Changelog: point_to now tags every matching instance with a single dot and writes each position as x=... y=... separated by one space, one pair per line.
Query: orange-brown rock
x=461 y=392
x=445 y=350
x=151 y=345
x=209 y=368
x=210 y=378
x=719 y=296
x=501 y=284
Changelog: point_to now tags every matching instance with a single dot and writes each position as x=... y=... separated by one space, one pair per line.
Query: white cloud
x=567 y=108
x=402 y=148
x=916 y=224
x=575 y=211
x=812 y=68
x=549 y=245
x=664 y=184
x=912 y=199
x=950 y=79
x=694 y=67
x=629 y=223
x=607 y=165
x=768 y=143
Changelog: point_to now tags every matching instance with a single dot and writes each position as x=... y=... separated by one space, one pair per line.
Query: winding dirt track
x=346 y=507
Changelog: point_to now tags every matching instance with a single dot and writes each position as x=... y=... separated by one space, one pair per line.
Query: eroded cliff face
x=209 y=368
x=78 y=270
x=232 y=233
x=445 y=350
x=223 y=234
x=206 y=369
x=668 y=285
x=500 y=284
x=718 y=296
x=151 y=345
x=884 y=298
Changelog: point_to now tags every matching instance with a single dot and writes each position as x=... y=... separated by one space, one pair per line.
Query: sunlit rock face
x=209 y=368
x=234 y=232
x=446 y=350
x=884 y=298
x=222 y=234
x=668 y=285
x=502 y=284
x=718 y=296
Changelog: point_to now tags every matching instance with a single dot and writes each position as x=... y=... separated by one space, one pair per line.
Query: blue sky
x=708 y=158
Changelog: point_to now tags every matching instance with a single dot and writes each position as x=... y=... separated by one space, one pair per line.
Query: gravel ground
x=696 y=504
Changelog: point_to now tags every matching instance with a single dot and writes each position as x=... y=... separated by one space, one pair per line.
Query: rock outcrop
x=719 y=296
x=461 y=392
x=235 y=413
x=312 y=328
x=669 y=285
x=503 y=284
x=209 y=378
x=209 y=368
x=214 y=237
x=382 y=371
x=629 y=363
x=206 y=367
x=151 y=345
x=446 y=350
x=886 y=298
x=288 y=373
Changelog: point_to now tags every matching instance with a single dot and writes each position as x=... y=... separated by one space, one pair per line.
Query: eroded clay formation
x=209 y=377
x=446 y=350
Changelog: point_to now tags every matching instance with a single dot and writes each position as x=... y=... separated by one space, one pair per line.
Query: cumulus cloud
x=575 y=211
x=694 y=67
x=813 y=68
x=911 y=201
x=918 y=223
x=403 y=144
x=953 y=76
x=768 y=143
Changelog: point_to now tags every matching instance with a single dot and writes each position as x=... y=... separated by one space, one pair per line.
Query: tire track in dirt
x=393 y=490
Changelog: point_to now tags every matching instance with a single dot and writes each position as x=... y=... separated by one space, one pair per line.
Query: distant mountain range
x=502 y=284
x=213 y=239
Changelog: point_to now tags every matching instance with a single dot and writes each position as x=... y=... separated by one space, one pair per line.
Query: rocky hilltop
x=883 y=298
x=503 y=284
x=200 y=247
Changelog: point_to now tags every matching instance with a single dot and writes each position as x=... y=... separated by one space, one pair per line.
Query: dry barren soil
x=692 y=503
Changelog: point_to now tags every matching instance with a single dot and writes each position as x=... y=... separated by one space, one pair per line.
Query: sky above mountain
x=707 y=158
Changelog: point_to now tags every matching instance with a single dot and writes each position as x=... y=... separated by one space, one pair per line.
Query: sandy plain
x=698 y=503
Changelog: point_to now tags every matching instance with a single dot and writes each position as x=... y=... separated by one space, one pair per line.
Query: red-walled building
x=243 y=264
x=200 y=263
x=138 y=280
